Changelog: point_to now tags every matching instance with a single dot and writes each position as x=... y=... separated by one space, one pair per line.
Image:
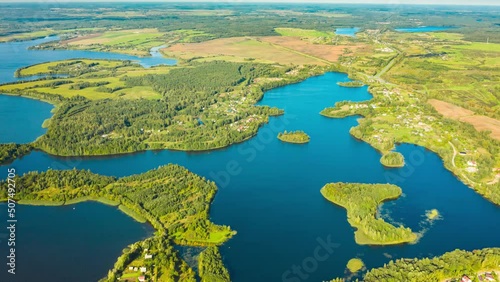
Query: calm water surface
x=68 y=243
x=424 y=29
x=269 y=192
x=22 y=119
x=347 y=31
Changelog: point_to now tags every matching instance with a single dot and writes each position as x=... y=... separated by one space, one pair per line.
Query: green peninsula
x=211 y=268
x=361 y=202
x=120 y=107
x=10 y=151
x=298 y=137
x=173 y=200
x=352 y=84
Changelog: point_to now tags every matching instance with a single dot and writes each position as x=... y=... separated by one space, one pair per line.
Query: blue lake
x=424 y=29
x=347 y=31
x=22 y=119
x=68 y=243
x=272 y=197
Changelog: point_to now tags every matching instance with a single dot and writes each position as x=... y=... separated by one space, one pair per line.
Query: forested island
x=297 y=137
x=393 y=159
x=175 y=201
x=361 y=202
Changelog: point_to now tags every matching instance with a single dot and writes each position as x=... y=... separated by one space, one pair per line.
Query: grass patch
x=488 y=47
x=241 y=49
x=137 y=217
x=92 y=79
x=41 y=203
x=50 y=67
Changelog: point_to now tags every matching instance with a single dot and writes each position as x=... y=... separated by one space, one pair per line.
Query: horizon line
x=228 y=2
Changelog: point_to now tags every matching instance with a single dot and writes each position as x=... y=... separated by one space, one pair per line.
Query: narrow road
x=454 y=154
x=453 y=163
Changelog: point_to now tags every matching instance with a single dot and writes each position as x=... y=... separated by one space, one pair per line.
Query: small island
x=351 y=84
x=393 y=159
x=361 y=202
x=354 y=265
x=432 y=214
x=297 y=137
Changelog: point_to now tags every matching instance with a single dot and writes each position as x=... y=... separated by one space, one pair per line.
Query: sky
x=397 y=2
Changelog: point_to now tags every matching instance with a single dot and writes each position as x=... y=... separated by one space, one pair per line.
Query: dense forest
x=393 y=159
x=10 y=151
x=184 y=119
x=452 y=265
x=171 y=198
x=298 y=137
x=361 y=202
x=211 y=267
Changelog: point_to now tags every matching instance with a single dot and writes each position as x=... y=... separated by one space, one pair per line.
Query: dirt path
x=391 y=63
x=453 y=163
x=454 y=154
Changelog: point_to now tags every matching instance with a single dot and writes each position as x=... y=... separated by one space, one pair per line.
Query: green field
x=50 y=67
x=143 y=38
x=104 y=79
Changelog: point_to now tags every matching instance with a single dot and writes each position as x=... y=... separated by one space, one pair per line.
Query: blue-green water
x=347 y=31
x=269 y=192
x=22 y=119
x=424 y=29
x=68 y=243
